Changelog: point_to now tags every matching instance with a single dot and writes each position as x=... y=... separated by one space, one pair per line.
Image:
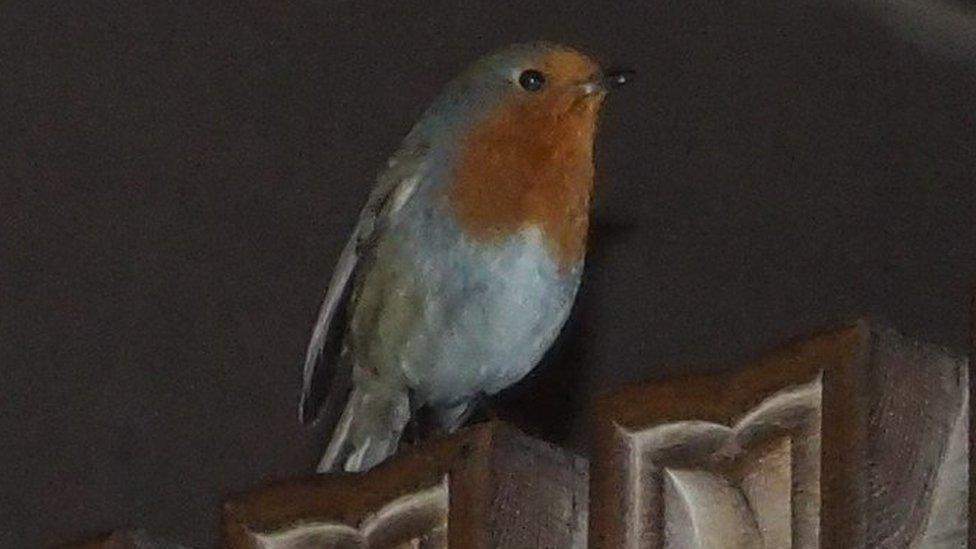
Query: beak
x=610 y=79
x=614 y=78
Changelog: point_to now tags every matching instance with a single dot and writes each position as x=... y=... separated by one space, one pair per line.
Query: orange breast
x=529 y=162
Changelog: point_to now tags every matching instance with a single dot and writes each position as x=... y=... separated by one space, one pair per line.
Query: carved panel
x=854 y=438
x=752 y=484
x=416 y=520
x=489 y=486
x=917 y=455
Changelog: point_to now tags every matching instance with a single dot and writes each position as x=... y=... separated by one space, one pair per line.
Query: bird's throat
x=525 y=166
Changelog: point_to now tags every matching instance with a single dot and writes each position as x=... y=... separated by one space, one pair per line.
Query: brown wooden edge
x=475 y=488
x=841 y=355
x=350 y=498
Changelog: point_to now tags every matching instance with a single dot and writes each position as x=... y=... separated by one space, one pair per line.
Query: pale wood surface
x=853 y=438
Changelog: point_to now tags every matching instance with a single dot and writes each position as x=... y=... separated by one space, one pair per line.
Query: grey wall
x=177 y=178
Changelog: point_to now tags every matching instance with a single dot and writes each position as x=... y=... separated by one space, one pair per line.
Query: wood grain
x=851 y=438
x=488 y=486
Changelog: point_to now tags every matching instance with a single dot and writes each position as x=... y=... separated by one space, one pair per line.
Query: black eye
x=532 y=80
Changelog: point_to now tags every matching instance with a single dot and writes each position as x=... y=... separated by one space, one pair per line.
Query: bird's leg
x=413 y=433
x=487 y=408
x=447 y=419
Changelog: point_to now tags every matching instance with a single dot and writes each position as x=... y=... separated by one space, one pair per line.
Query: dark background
x=177 y=178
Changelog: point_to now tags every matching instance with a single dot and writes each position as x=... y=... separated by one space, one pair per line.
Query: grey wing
x=325 y=346
x=325 y=375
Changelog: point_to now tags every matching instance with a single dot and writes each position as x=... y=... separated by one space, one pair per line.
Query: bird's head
x=535 y=88
x=517 y=132
x=543 y=81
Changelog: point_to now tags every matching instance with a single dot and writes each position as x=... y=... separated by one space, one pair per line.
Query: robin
x=466 y=259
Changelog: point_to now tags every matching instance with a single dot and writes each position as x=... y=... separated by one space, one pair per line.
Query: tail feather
x=368 y=431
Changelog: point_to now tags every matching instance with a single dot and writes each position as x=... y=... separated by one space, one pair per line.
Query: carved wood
x=488 y=486
x=917 y=455
x=853 y=438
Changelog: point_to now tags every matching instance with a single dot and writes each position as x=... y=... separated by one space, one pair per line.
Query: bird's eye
x=532 y=80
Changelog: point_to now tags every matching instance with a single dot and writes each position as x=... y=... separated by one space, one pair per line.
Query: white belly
x=455 y=318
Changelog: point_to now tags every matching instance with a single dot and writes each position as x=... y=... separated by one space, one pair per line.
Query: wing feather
x=321 y=380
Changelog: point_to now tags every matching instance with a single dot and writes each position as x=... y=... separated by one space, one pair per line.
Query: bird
x=465 y=262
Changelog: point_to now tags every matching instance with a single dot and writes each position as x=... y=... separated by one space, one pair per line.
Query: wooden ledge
x=850 y=438
x=486 y=486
